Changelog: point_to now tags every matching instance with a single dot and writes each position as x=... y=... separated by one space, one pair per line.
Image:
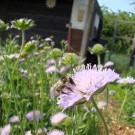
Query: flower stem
x=23 y=37
x=125 y=98
x=99 y=61
x=100 y=114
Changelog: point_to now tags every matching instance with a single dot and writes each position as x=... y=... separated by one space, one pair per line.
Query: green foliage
x=124 y=29
x=3 y=26
x=27 y=80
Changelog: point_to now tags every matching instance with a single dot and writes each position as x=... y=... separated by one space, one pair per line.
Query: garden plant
x=46 y=90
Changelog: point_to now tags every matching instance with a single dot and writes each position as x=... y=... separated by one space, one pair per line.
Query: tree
x=125 y=28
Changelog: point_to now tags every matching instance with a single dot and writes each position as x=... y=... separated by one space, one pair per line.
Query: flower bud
x=70 y=59
x=29 y=46
x=55 y=53
x=23 y=24
x=97 y=49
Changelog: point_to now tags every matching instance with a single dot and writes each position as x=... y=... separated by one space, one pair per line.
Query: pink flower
x=87 y=82
x=58 y=118
x=108 y=64
x=14 y=119
x=6 y=130
x=55 y=132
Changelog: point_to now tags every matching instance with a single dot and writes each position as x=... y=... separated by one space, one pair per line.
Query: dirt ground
x=116 y=127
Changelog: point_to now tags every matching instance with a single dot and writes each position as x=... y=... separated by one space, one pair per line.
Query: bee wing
x=52 y=93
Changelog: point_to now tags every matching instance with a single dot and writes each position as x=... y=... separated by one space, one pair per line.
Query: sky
x=115 y=5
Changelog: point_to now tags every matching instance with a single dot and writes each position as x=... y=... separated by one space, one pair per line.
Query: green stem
x=23 y=37
x=99 y=61
x=100 y=114
x=107 y=100
x=125 y=98
x=23 y=40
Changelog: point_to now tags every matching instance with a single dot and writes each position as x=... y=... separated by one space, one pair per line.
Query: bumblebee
x=64 y=82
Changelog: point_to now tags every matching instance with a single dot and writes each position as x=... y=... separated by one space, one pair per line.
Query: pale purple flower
x=6 y=130
x=108 y=64
x=101 y=105
x=34 y=115
x=50 y=62
x=55 y=132
x=65 y=68
x=88 y=81
x=21 y=60
x=58 y=118
x=67 y=100
x=25 y=76
x=51 y=69
x=126 y=80
x=32 y=38
x=14 y=119
x=22 y=70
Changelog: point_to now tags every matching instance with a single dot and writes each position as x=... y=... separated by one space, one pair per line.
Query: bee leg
x=63 y=92
x=69 y=89
x=71 y=81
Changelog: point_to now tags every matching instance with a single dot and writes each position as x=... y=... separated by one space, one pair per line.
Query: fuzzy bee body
x=65 y=82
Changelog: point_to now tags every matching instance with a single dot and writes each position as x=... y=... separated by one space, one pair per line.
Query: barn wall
x=48 y=21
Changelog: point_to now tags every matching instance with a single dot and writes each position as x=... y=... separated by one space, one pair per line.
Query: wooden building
x=73 y=20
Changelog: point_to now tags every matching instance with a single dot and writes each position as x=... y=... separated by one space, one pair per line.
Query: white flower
x=28 y=133
x=58 y=118
x=127 y=80
x=101 y=105
x=14 y=119
x=48 y=39
x=6 y=130
x=55 y=132
x=87 y=82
